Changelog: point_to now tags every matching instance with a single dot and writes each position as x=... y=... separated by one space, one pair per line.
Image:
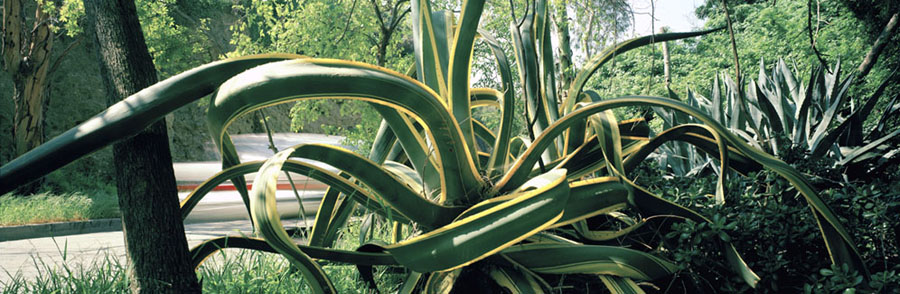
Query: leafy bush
x=778 y=237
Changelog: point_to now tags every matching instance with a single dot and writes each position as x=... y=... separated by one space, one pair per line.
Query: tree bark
x=565 y=50
x=387 y=25
x=156 y=246
x=26 y=55
x=667 y=73
x=882 y=41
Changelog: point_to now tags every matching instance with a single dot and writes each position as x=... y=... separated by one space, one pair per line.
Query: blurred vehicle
x=224 y=203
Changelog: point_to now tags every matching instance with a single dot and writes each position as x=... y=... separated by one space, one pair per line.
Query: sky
x=678 y=15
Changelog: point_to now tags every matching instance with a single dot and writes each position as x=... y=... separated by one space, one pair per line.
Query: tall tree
x=26 y=57
x=566 y=72
x=387 y=24
x=154 y=233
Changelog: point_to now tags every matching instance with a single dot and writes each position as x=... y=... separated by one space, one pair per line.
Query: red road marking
x=231 y=187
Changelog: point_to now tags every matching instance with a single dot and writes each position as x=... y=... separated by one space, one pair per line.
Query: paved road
x=31 y=256
x=219 y=214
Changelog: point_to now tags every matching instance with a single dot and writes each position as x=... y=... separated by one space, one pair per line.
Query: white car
x=224 y=203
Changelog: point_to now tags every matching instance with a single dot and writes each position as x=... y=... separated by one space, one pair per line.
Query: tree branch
x=347 y=24
x=378 y=14
x=812 y=41
x=737 y=63
x=879 y=45
x=63 y=55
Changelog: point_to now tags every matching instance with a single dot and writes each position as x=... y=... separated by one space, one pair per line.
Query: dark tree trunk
x=157 y=250
x=381 y=56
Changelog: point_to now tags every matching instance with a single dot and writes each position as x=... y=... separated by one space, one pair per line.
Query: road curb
x=232 y=208
x=12 y=233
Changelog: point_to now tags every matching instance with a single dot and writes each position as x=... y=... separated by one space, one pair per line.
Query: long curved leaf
x=267 y=221
x=431 y=40
x=127 y=117
x=482 y=234
x=388 y=188
x=593 y=197
x=515 y=281
x=554 y=258
x=655 y=205
x=597 y=60
x=839 y=241
x=460 y=68
x=282 y=82
x=209 y=247
x=318 y=173
x=501 y=143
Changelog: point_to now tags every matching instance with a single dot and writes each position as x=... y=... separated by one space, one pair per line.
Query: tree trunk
x=383 y=42
x=565 y=50
x=879 y=45
x=26 y=54
x=157 y=250
x=666 y=64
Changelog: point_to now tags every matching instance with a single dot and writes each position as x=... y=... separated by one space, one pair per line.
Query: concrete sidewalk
x=28 y=258
x=81 y=244
x=217 y=206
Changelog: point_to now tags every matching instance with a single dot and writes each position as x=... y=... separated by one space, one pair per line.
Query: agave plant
x=778 y=111
x=513 y=209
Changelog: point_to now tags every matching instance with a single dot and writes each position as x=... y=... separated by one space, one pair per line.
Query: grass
x=227 y=271
x=49 y=207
